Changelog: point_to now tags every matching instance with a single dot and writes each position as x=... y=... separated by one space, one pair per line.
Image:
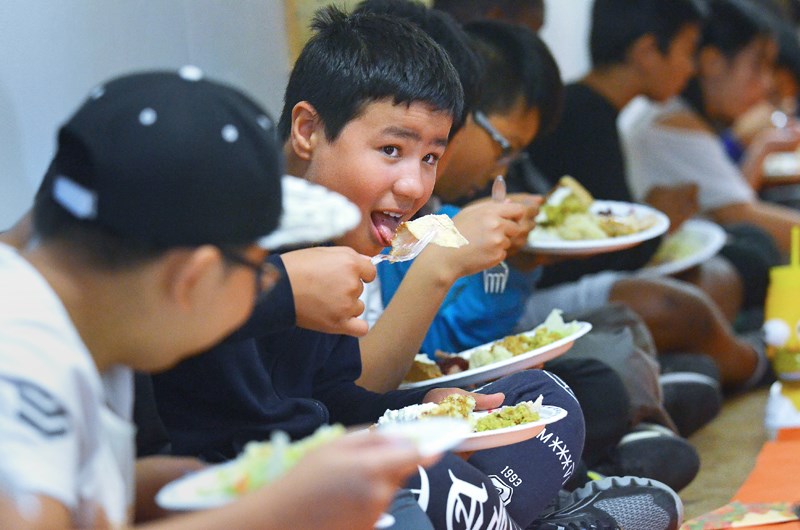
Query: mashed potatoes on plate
x=461 y=406
x=552 y=329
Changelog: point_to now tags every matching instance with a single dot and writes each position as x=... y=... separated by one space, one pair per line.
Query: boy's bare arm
x=775 y=219
x=388 y=350
x=678 y=202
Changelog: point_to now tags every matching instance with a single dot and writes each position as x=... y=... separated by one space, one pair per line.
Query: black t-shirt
x=586 y=145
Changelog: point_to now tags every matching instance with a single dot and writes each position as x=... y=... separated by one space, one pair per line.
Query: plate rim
x=597 y=246
x=583 y=329
x=777 y=160
x=165 y=494
x=717 y=237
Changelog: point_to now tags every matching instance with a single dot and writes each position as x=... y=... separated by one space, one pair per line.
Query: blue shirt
x=468 y=316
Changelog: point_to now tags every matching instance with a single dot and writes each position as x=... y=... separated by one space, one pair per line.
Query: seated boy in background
x=148 y=246
x=654 y=58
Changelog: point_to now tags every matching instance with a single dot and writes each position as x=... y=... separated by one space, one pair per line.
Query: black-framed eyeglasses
x=507 y=151
x=267 y=274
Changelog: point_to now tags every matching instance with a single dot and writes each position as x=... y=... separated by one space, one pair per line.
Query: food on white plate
x=454 y=406
x=450 y=363
x=552 y=329
x=461 y=406
x=263 y=462
x=566 y=198
x=445 y=232
x=422 y=369
x=508 y=416
x=677 y=246
x=567 y=214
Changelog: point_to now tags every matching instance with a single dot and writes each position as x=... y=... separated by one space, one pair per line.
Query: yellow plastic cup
x=782 y=315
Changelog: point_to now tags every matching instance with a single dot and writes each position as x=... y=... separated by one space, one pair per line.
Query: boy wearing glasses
x=153 y=221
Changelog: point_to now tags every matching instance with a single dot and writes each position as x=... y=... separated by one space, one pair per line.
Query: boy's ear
x=306 y=130
x=644 y=51
x=711 y=61
x=191 y=273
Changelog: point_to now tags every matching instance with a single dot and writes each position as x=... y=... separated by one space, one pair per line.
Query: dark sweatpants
x=506 y=487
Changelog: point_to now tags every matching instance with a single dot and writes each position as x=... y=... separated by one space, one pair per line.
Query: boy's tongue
x=386 y=227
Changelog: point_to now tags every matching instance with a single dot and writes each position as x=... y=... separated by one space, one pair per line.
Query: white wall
x=53 y=51
x=566 y=32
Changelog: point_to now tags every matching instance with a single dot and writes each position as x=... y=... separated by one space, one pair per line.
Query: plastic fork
x=405 y=252
x=495 y=278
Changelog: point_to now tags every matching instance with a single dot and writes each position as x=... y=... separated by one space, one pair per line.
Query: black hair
x=617 y=24
x=355 y=60
x=781 y=17
x=471 y=10
x=788 y=48
x=787 y=10
x=518 y=65
x=447 y=33
x=732 y=25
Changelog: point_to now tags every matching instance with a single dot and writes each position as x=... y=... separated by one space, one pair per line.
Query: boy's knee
x=528 y=385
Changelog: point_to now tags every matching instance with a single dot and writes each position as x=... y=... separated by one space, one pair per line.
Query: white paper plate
x=782 y=165
x=562 y=247
x=199 y=491
x=510 y=435
x=505 y=367
x=708 y=237
x=432 y=435
x=193 y=491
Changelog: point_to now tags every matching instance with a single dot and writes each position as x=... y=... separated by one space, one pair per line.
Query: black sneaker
x=763 y=375
x=692 y=400
x=689 y=362
x=654 y=452
x=615 y=503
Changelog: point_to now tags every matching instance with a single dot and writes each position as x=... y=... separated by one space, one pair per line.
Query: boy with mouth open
x=368 y=111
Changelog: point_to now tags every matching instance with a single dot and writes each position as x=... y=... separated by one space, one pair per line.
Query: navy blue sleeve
x=273 y=312
x=348 y=403
x=733 y=146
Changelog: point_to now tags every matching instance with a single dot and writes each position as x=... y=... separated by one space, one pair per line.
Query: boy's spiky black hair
x=353 y=60
x=448 y=33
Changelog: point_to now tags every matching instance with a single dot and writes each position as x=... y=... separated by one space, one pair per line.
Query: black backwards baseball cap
x=174 y=159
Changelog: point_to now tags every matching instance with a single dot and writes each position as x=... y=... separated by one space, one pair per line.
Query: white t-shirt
x=373 y=301
x=65 y=430
x=666 y=156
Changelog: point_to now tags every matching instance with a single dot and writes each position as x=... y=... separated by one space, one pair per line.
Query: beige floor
x=728 y=447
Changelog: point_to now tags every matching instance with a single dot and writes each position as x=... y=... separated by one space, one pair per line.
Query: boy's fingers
x=368 y=270
x=355 y=327
x=488 y=401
